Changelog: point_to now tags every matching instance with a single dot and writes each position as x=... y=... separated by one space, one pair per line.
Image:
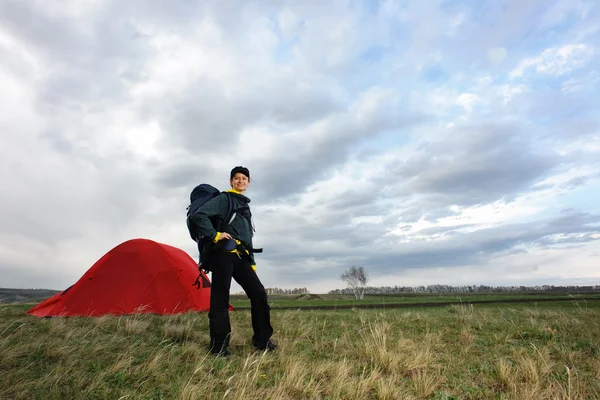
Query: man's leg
x=261 y=318
x=218 y=316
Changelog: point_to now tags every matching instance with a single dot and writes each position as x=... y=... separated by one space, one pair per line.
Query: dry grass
x=461 y=352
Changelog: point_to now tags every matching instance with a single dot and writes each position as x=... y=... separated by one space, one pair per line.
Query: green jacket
x=240 y=227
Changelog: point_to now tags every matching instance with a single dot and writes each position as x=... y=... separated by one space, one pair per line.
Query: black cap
x=241 y=170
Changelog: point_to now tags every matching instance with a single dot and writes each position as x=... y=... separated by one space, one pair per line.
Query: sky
x=432 y=142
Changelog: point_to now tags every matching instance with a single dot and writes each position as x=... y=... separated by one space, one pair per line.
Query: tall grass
x=460 y=352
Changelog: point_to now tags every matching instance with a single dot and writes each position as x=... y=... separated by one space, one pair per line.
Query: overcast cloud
x=432 y=142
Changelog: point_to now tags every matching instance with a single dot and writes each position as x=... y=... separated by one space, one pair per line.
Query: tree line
x=287 y=291
x=440 y=289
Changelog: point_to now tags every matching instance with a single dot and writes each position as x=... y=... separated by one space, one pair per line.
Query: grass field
x=321 y=300
x=516 y=351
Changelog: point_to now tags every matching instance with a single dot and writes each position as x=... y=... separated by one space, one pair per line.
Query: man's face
x=239 y=182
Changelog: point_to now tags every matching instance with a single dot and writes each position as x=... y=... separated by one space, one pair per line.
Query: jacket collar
x=243 y=196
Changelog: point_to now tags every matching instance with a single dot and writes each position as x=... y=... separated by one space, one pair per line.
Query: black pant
x=225 y=266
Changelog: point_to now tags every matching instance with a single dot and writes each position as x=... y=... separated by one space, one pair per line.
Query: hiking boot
x=220 y=350
x=222 y=353
x=269 y=346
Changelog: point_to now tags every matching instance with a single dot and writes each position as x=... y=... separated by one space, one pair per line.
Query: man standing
x=233 y=257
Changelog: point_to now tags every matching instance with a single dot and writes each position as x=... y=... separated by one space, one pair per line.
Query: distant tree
x=356 y=278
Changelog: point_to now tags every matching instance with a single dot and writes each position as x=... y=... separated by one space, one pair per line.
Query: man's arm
x=212 y=208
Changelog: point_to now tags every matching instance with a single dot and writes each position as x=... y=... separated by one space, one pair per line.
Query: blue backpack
x=200 y=196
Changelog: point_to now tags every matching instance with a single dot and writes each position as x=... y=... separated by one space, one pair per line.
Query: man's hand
x=224 y=235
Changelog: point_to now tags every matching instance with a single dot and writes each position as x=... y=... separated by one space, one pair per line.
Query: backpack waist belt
x=236 y=246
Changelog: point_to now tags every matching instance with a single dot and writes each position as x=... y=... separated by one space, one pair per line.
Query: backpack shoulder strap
x=230 y=212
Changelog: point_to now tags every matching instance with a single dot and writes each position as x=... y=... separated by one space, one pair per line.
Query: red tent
x=138 y=276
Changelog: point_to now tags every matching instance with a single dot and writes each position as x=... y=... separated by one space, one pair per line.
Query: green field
x=518 y=351
x=321 y=300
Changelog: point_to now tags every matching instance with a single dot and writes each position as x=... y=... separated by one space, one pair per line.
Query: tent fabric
x=136 y=277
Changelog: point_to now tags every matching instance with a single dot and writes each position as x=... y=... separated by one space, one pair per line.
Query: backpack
x=200 y=195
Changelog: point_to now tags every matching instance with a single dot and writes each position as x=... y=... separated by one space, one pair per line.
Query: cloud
x=557 y=61
x=467 y=100
x=403 y=136
x=459 y=248
x=475 y=164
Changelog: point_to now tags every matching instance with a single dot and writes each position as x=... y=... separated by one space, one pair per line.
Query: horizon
x=367 y=287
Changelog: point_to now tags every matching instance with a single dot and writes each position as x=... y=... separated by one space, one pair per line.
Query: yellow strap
x=236 y=252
